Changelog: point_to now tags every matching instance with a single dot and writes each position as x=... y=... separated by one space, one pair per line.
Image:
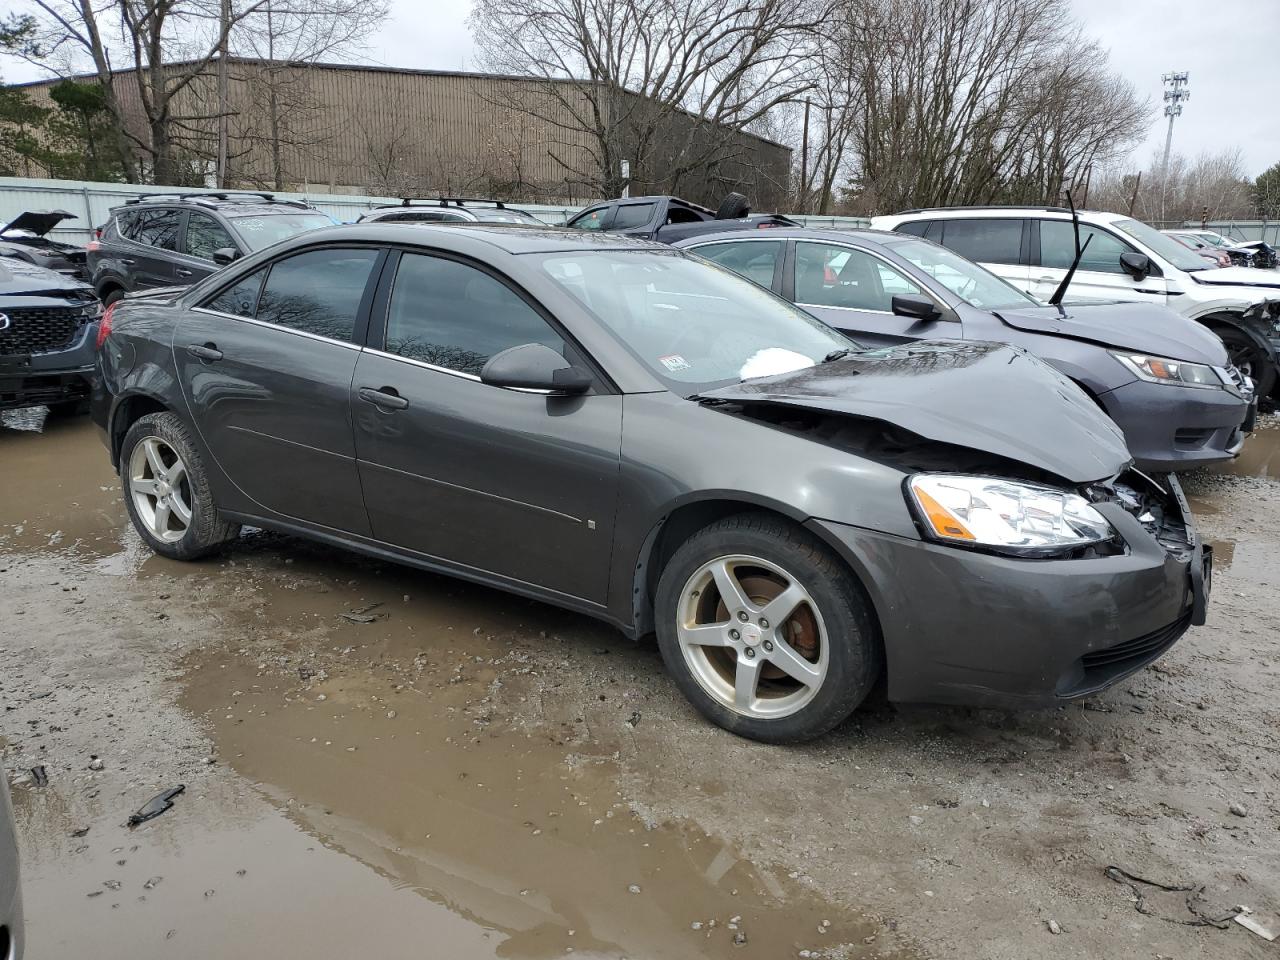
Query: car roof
x=1052 y=213
x=514 y=238
x=864 y=234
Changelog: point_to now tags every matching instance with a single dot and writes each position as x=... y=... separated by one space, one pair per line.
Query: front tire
x=765 y=631
x=166 y=490
x=1250 y=359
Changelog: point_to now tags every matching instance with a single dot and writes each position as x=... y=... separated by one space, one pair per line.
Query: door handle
x=1046 y=279
x=207 y=352
x=128 y=261
x=386 y=398
x=182 y=272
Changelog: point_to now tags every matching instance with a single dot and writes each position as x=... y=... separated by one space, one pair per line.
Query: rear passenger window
x=631 y=215
x=451 y=315
x=914 y=227
x=241 y=298
x=318 y=292
x=157 y=228
x=984 y=241
x=754 y=259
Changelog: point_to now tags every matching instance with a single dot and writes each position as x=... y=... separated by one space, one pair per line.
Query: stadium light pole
x=1176 y=90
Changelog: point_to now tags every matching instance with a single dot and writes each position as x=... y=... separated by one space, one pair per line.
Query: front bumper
x=1170 y=428
x=975 y=629
x=58 y=376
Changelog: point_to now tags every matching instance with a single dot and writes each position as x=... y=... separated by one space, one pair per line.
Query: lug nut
x=768 y=646
x=734 y=635
x=742 y=615
x=764 y=623
x=751 y=652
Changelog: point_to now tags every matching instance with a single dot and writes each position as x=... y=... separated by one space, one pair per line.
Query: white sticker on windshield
x=675 y=363
x=773 y=360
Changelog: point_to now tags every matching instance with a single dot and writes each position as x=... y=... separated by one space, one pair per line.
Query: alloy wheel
x=160 y=488
x=752 y=636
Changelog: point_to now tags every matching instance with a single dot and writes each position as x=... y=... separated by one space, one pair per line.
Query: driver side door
x=1099 y=276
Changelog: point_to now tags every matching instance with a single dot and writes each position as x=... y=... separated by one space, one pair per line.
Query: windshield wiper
x=1056 y=299
x=836 y=355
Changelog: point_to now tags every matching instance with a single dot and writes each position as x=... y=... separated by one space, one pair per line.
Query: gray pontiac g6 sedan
x=629 y=431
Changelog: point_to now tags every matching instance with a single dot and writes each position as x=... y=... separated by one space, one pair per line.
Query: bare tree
x=663 y=84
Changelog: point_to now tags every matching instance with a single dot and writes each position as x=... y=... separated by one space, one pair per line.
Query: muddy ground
x=468 y=775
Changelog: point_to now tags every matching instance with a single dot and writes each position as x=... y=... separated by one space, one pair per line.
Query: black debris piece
x=157 y=805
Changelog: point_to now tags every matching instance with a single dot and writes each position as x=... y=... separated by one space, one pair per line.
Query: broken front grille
x=32 y=330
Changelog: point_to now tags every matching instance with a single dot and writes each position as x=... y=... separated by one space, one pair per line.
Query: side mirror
x=915 y=305
x=535 y=366
x=224 y=255
x=1136 y=265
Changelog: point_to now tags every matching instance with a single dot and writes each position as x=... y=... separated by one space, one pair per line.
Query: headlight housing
x=1177 y=372
x=1008 y=516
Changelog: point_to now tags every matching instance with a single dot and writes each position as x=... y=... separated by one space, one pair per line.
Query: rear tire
x=166 y=490
x=111 y=296
x=779 y=682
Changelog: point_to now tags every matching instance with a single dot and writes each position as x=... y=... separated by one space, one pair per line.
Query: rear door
x=510 y=482
x=266 y=365
x=152 y=246
x=202 y=236
x=1099 y=276
x=852 y=290
x=1001 y=244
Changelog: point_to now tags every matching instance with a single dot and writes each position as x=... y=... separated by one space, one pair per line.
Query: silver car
x=10 y=885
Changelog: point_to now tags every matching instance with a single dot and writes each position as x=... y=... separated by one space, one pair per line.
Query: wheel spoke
x=152 y=449
x=703 y=635
x=785 y=658
x=143 y=486
x=777 y=610
x=176 y=473
x=180 y=509
x=745 y=682
x=161 y=523
x=730 y=590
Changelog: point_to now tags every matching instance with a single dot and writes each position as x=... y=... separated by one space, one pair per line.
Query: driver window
x=834 y=276
x=1058 y=247
x=596 y=219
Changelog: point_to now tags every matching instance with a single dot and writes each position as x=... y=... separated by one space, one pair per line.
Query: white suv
x=1032 y=248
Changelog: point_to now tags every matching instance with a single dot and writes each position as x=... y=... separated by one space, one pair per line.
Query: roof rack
x=239 y=196
x=987 y=206
x=443 y=202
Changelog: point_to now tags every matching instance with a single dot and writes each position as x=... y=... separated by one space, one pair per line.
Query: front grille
x=32 y=330
x=1133 y=653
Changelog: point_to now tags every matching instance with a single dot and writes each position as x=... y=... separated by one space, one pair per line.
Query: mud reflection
x=1261 y=454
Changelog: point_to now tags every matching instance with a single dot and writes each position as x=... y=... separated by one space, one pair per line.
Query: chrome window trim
x=453 y=373
x=276 y=326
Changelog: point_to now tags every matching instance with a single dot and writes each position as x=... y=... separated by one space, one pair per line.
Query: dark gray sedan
x=623 y=429
x=1166 y=380
x=10 y=885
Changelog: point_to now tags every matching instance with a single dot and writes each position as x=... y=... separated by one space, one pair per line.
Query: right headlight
x=1011 y=516
x=1163 y=370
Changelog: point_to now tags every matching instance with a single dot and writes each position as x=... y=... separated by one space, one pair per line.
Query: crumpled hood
x=19 y=277
x=1238 y=277
x=986 y=396
x=38 y=223
x=1144 y=327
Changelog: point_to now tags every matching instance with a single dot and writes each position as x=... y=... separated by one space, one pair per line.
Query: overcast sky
x=1228 y=46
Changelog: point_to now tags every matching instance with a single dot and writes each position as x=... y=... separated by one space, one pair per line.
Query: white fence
x=92 y=202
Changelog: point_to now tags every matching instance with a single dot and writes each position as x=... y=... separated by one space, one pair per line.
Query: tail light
x=104 y=326
x=97 y=233
x=93 y=246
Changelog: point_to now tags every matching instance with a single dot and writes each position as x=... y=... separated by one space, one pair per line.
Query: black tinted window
x=596 y=219
x=754 y=259
x=318 y=292
x=240 y=298
x=452 y=315
x=159 y=228
x=1058 y=247
x=984 y=241
x=205 y=235
x=914 y=227
x=632 y=215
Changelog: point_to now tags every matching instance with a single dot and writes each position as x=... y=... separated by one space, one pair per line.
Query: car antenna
x=1056 y=299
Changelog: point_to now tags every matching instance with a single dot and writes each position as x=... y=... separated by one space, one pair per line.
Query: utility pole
x=1176 y=90
x=223 y=24
x=804 y=161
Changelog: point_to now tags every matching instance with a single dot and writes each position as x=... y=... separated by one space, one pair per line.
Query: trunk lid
x=990 y=397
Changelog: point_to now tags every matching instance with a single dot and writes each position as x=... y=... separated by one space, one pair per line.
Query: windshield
x=964 y=278
x=263 y=231
x=696 y=325
x=1167 y=248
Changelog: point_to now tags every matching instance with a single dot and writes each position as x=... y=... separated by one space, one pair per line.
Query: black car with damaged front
x=625 y=430
x=47 y=333
x=26 y=237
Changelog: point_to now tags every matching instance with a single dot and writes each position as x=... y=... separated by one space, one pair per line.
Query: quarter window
x=754 y=259
x=1058 y=249
x=828 y=275
x=318 y=292
x=451 y=315
x=241 y=298
x=984 y=241
x=157 y=228
x=205 y=235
